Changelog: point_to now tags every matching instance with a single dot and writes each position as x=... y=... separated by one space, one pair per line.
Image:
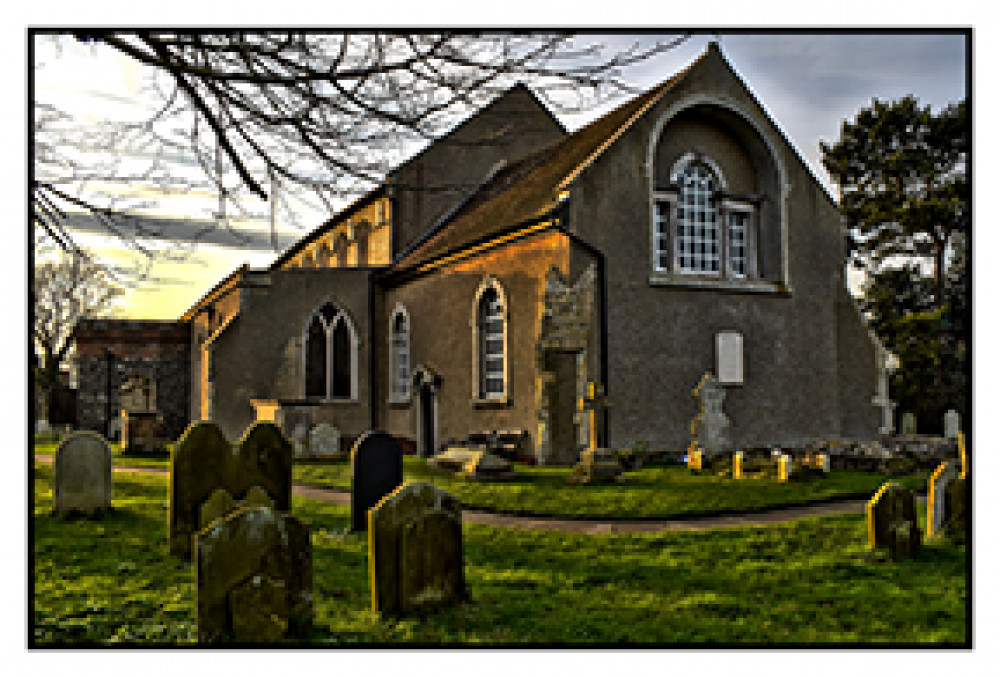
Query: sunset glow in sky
x=809 y=84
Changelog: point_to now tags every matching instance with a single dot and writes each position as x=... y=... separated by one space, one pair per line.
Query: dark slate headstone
x=415 y=555
x=253 y=572
x=376 y=471
x=892 y=521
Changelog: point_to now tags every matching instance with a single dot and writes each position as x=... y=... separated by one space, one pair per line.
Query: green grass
x=655 y=492
x=810 y=581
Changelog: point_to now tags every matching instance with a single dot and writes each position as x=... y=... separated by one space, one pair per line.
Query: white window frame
x=400 y=378
x=353 y=342
x=665 y=238
x=479 y=392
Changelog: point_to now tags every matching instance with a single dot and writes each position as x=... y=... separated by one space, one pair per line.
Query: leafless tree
x=323 y=113
x=63 y=293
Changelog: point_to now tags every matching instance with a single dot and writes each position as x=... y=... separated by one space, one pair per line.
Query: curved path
x=585 y=526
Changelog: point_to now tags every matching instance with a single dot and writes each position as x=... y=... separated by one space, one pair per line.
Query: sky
x=809 y=83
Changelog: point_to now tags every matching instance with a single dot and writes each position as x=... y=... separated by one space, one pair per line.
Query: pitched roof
x=530 y=188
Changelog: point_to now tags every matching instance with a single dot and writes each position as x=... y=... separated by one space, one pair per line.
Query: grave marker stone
x=955 y=508
x=952 y=424
x=892 y=521
x=595 y=403
x=694 y=459
x=738 y=465
x=596 y=465
x=376 y=470
x=203 y=461
x=908 y=424
x=253 y=571
x=939 y=479
x=711 y=423
x=784 y=468
x=82 y=479
x=324 y=441
x=415 y=550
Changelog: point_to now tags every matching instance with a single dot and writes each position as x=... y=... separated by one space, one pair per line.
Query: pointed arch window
x=490 y=337
x=399 y=352
x=330 y=355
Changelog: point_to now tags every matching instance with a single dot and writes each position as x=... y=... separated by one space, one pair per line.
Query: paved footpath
x=584 y=526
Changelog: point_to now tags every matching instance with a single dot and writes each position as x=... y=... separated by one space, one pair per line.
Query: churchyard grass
x=47 y=444
x=808 y=581
x=655 y=492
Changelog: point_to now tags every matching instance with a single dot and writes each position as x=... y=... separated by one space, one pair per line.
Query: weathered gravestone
x=82 y=480
x=141 y=432
x=324 y=441
x=415 y=550
x=738 y=465
x=376 y=470
x=473 y=463
x=939 y=479
x=203 y=461
x=710 y=426
x=955 y=508
x=253 y=570
x=952 y=424
x=892 y=521
x=908 y=424
x=596 y=465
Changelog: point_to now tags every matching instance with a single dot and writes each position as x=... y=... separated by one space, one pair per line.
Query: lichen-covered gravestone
x=376 y=471
x=253 y=571
x=955 y=509
x=324 y=441
x=892 y=521
x=711 y=425
x=203 y=461
x=82 y=480
x=415 y=550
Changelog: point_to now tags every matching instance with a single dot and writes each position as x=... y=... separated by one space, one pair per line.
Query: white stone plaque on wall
x=729 y=357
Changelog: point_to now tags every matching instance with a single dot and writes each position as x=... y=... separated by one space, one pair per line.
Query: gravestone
x=203 y=461
x=141 y=433
x=324 y=441
x=785 y=469
x=473 y=463
x=710 y=426
x=376 y=470
x=253 y=571
x=738 y=465
x=952 y=424
x=596 y=465
x=694 y=459
x=415 y=550
x=908 y=424
x=956 y=508
x=82 y=476
x=892 y=521
x=939 y=479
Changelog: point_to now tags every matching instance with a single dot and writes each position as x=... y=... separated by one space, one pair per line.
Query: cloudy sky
x=808 y=82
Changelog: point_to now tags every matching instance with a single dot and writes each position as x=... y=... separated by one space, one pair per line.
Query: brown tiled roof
x=530 y=188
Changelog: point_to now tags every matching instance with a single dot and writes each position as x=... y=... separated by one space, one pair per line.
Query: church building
x=508 y=265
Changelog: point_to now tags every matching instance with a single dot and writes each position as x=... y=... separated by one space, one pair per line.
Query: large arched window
x=399 y=355
x=330 y=355
x=699 y=228
x=490 y=338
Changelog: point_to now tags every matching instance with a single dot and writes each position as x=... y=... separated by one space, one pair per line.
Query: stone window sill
x=716 y=284
x=317 y=401
x=399 y=404
x=492 y=402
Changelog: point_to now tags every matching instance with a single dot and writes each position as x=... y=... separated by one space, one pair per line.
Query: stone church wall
x=157 y=350
x=260 y=356
x=430 y=184
x=440 y=307
x=661 y=337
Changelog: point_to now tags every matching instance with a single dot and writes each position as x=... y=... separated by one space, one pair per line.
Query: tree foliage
x=323 y=113
x=901 y=170
x=63 y=293
x=901 y=173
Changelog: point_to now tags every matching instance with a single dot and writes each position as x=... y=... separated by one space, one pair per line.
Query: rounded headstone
x=376 y=471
